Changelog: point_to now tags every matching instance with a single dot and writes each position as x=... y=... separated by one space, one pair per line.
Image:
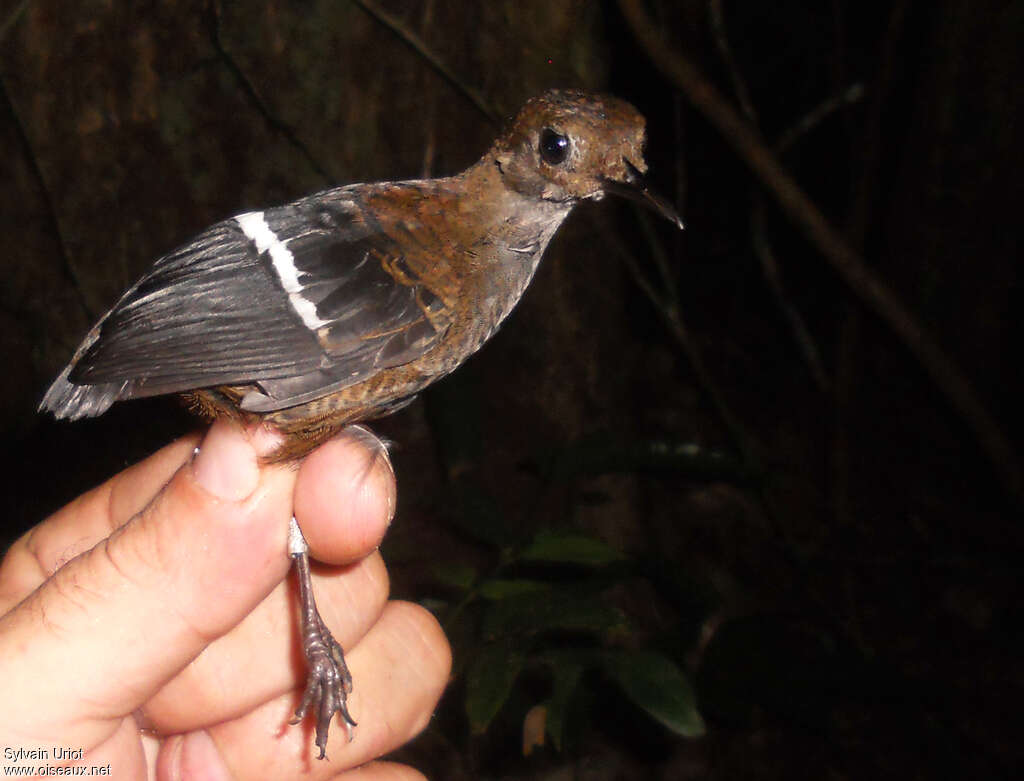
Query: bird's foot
x=328 y=682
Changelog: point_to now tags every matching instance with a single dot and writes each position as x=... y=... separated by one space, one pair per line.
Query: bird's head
x=571 y=145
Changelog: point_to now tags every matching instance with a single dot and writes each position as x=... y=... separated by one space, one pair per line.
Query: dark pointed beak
x=635 y=188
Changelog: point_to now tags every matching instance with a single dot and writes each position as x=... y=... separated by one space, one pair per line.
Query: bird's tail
x=69 y=401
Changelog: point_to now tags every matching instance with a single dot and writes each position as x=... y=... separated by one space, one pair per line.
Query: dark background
x=820 y=537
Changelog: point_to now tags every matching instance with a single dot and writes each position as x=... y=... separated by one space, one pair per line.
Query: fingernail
x=378 y=451
x=226 y=464
x=376 y=445
x=199 y=757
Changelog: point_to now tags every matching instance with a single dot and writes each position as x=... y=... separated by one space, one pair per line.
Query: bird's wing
x=298 y=300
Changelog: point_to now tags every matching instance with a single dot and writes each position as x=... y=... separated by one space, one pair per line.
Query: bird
x=341 y=306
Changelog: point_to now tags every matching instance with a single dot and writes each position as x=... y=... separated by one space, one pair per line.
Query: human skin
x=151 y=621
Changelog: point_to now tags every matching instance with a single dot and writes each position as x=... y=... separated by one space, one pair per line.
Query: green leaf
x=547 y=610
x=503 y=589
x=458 y=576
x=570 y=549
x=489 y=682
x=659 y=687
x=567 y=676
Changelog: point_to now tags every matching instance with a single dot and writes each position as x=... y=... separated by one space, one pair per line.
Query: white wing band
x=256 y=229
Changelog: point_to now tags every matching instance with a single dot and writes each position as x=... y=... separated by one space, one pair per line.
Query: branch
x=739 y=85
x=770 y=267
x=12 y=18
x=70 y=272
x=843 y=258
x=852 y=94
x=417 y=44
x=758 y=224
x=668 y=309
x=273 y=121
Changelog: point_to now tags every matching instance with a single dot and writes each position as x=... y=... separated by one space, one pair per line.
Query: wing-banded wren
x=343 y=305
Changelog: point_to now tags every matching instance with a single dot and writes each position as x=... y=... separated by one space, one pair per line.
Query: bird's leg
x=328 y=682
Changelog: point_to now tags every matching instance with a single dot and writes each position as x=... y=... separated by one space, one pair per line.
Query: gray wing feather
x=214 y=312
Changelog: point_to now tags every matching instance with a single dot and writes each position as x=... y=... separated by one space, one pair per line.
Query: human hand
x=150 y=622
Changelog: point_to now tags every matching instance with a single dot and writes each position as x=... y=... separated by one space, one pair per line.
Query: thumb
x=111 y=626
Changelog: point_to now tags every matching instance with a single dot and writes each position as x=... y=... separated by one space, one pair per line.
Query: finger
x=195 y=755
x=77 y=527
x=345 y=496
x=261 y=659
x=138 y=606
x=123 y=753
x=399 y=669
x=347 y=488
x=382 y=771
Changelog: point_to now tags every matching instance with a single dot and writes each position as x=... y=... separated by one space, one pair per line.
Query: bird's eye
x=554 y=147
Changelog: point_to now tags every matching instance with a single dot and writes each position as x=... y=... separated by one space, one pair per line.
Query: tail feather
x=69 y=401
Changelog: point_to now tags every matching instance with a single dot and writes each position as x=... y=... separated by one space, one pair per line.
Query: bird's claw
x=328 y=683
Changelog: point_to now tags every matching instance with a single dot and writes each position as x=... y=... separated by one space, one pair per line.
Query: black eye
x=554 y=147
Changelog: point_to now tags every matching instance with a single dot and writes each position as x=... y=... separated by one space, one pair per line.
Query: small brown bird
x=343 y=305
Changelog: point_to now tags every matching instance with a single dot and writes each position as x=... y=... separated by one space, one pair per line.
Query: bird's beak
x=635 y=188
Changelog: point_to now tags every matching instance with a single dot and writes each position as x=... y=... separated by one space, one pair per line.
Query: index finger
x=86 y=520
